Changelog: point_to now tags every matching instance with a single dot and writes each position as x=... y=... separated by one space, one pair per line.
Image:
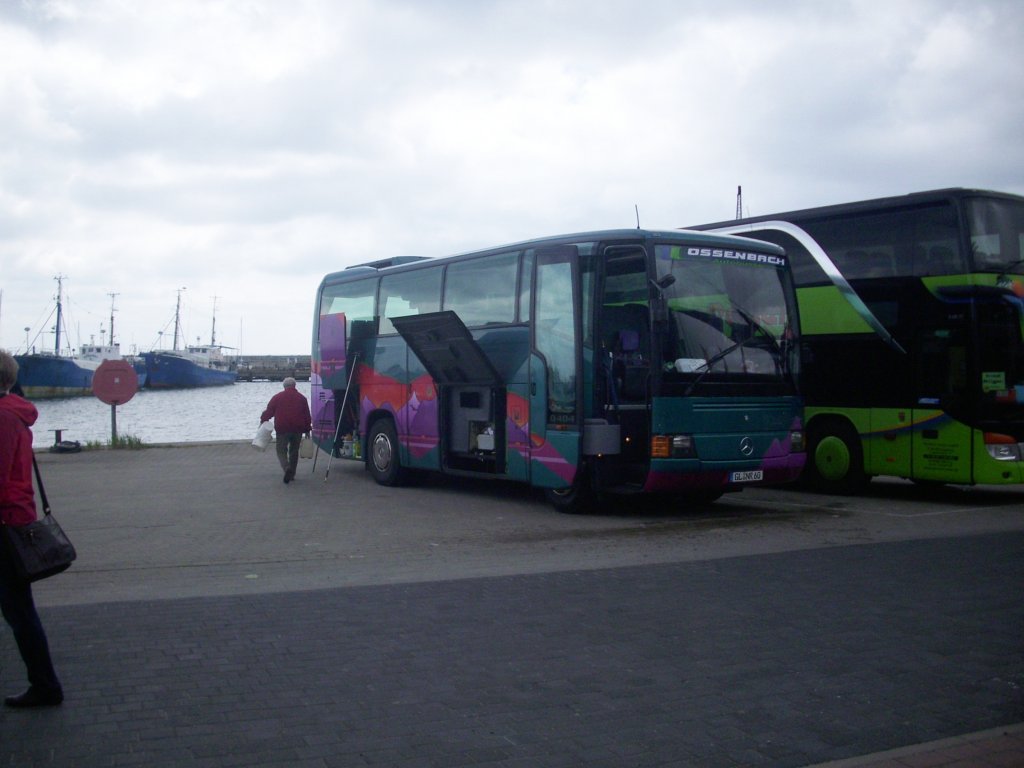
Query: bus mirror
x=664 y=282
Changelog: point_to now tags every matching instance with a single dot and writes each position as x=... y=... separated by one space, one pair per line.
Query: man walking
x=290 y=411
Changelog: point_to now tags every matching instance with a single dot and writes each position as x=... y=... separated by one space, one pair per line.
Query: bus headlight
x=1002 y=447
x=672 y=447
x=796 y=441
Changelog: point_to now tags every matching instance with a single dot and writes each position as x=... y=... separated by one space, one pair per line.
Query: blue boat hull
x=140 y=371
x=42 y=376
x=172 y=372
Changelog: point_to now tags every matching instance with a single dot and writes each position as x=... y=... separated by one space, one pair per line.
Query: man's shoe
x=36 y=697
x=289 y=476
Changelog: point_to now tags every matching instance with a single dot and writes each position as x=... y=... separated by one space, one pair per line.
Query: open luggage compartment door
x=472 y=395
x=447 y=349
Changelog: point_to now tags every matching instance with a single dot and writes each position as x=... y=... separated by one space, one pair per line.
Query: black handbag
x=39 y=549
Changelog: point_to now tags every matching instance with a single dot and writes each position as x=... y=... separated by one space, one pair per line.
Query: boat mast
x=177 y=320
x=112 y=297
x=60 y=316
x=213 y=329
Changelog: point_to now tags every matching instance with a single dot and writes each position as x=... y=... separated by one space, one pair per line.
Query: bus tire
x=835 y=459
x=382 y=457
x=578 y=499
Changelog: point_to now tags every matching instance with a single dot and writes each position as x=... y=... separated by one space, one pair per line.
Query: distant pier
x=273 y=367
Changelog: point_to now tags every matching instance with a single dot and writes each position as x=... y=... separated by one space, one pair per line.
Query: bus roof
x=401 y=263
x=914 y=198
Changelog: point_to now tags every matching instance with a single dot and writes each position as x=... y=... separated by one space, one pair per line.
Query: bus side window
x=353 y=300
x=941 y=260
x=878 y=264
x=525 y=283
x=408 y=293
x=483 y=291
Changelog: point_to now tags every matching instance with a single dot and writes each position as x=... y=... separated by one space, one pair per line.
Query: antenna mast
x=739 y=202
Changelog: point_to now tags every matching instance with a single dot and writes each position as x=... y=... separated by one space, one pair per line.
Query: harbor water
x=161 y=416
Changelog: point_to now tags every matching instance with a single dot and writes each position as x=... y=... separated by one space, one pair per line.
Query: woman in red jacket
x=18 y=507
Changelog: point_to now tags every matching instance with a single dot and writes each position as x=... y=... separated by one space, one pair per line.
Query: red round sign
x=115 y=382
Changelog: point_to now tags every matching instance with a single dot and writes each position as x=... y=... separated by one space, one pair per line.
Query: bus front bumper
x=672 y=475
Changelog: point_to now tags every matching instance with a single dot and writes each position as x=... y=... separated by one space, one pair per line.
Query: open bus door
x=328 y=378
x=470 y=391
x=940 y=444
x=556 y=380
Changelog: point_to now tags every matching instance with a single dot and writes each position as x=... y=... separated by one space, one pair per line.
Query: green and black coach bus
x=911 y=319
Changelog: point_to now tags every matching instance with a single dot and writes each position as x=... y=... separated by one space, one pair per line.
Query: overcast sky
x=244 y=148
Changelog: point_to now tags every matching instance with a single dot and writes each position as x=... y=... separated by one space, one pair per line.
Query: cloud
x=245 y=148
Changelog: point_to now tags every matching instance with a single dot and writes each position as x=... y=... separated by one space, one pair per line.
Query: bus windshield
x=729 y=317
x=1000 y=357
x=997 y=234
x=996 y=228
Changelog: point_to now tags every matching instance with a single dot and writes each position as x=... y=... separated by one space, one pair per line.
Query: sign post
x=115 y=383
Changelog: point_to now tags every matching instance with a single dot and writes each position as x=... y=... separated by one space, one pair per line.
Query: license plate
x=746 y=477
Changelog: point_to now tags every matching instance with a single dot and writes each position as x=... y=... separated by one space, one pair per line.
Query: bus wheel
x=835 y=460
x=578 y=499
x=382 y=453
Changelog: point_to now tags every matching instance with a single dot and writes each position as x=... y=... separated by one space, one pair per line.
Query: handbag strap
x=39 y=481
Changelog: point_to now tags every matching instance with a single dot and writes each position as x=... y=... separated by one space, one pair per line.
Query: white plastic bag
x=263 y=436
x=306 y=448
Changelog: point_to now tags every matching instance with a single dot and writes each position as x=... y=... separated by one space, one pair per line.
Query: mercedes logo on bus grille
x=746 y=446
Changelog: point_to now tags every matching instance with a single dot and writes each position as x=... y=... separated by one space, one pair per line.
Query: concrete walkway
x=219 y=617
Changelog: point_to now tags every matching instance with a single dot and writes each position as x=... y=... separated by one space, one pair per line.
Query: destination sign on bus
x=719 y=253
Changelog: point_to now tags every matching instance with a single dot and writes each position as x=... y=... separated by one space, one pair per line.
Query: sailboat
x=62 y=373
x=195 y=366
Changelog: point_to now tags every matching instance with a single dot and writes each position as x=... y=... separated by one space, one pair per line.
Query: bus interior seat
x=627 y=348
x=941 y=260
x=854 y=260
x=625 y=335
x=629 y=367
x=878 y=264
x=625 y=317
x=918 y=257
x=860 y=263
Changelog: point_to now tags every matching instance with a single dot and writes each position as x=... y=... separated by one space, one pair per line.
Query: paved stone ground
x=217 y=617
x=775 y=660
x=995 y=748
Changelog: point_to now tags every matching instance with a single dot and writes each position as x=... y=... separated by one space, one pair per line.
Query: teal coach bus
x=589 y=365
x=911 y=314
